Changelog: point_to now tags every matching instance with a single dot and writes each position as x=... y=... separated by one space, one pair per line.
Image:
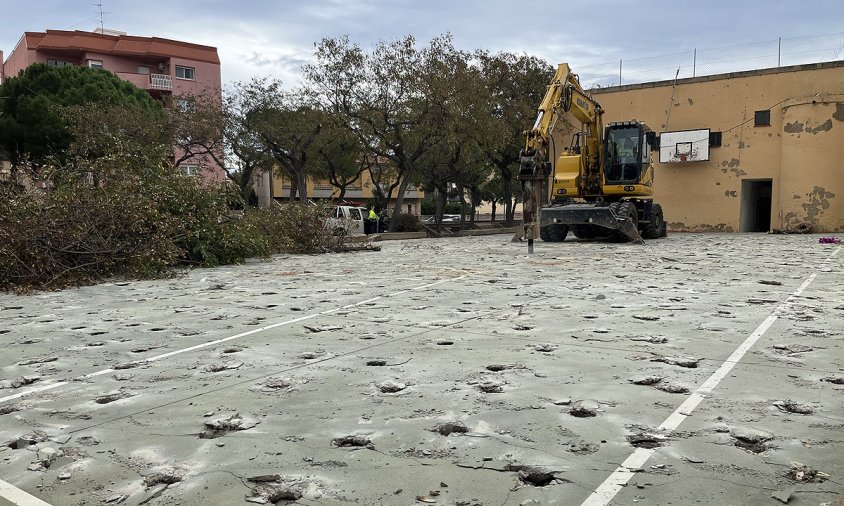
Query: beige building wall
x=801 y=152
x=360 y=192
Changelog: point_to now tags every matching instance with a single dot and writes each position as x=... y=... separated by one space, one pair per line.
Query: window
x=185 y=72
x=714 y=139
x=189 y=170
x=143 y=70
x=186 y=104
x=95 y=64
x=59 y=63
x=762 y=118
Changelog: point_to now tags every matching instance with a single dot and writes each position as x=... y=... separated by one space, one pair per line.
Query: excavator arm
x=564 y=95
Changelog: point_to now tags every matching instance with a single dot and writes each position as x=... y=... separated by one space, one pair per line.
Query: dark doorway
x=755 y=205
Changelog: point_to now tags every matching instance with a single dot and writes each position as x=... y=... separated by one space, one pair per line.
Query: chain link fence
x=704 y=62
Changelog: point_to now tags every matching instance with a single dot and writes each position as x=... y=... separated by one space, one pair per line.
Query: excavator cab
x=627 y=155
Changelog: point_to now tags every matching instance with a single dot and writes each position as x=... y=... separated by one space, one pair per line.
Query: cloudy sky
x=264 y=37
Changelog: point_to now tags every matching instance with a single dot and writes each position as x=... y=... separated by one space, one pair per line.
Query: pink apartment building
x=160 y=66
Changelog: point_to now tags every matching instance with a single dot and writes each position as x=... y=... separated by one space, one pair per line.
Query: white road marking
x=18 y=497
x=619 y=478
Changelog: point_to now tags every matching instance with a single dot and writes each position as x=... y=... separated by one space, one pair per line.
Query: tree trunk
x=493 y=211
x=399 y=200
x=303 y=185
x=508 y=199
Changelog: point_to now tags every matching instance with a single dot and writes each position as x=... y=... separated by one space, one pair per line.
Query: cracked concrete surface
x=379 y=351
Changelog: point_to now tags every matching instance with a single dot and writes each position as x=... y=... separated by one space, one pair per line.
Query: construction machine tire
x=628 y=211
x=554 y=232
x=656 y=228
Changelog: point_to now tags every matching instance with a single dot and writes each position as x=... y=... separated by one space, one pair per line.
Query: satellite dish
x=161 y=66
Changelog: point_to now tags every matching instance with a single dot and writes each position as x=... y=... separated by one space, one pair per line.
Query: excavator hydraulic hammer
x=533 y=172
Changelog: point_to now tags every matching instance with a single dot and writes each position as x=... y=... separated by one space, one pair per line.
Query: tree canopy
x=30 y=124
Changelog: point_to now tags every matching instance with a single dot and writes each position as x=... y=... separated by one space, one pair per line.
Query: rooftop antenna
x=99 y=6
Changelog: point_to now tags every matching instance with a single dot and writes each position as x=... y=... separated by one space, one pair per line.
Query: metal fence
x=703 y=62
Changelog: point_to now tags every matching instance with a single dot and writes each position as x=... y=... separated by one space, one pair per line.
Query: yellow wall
x=802 y=151
x=360 y=191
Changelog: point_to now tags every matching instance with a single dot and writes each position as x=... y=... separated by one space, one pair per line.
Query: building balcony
x=158 y=82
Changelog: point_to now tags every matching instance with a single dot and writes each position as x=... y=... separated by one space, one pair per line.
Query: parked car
x=447 y=219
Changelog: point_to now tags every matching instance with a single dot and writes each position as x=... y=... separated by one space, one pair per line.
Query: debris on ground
x=391 y=387
x=353 y=441
x=687 y=362
x=22 y=442
x=829 y=240
x=750 y=439
x=488 y=385
x=671 y=388
x=219 y=427
x=803 y=473
x=835 y=380
x=273 y=493
x=448 y=428
x=649 y=339
x=20 y=382
x=783 y=496
x=167 y=476
x=770 y=282
x=9 y=408
x=311 y=355
x=792 y=349
x=41 y=360
x=532 y=475
x=645 y=439
x=109 y=398
x=647 y=318
x=646 y=380
x=790 y=406
x=273 y=385
x=544 y=348
x=322 y=328
x=584 y=409
x=225 y=366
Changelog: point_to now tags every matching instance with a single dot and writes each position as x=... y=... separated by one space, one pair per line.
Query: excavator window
x=623 y=156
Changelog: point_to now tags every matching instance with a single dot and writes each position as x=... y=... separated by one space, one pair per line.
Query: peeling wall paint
x=678 y=226
x=839 y=112
x=793 y=128
x=825 y=127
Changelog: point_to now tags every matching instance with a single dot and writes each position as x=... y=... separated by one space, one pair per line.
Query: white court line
x=50 y=386
x=619 y=478
x=18 y=497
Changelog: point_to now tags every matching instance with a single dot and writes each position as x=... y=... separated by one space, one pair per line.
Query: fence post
x=779 y=51
x=619 y=71
x=694 y=63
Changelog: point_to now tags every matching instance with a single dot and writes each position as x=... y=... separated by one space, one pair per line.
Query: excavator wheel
x=626 y=210
x=656 y=228
x=554 y=233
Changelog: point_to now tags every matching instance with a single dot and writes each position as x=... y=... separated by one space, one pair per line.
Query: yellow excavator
x=601 y=185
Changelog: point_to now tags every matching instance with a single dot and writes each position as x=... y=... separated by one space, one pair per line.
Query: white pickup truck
x=346 y=220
